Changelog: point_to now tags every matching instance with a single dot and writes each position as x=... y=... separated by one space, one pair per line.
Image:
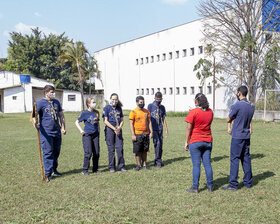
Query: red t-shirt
x=201 y=125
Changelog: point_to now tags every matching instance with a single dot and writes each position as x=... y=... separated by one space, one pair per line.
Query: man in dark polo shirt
x=241 y=113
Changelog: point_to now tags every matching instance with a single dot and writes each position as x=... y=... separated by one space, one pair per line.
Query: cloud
x=175 y=1
x=26 y=29
x=37 y=14
x=6 y=33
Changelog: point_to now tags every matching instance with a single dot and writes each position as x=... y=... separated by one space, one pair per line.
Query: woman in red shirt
x=199 y=141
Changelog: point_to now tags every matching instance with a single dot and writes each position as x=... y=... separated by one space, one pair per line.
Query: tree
x=236 y=29
x=75 y=53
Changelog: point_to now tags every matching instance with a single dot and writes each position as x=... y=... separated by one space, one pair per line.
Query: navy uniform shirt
x=91 y=122
x=48 y=111
x=113 y=115
x=157 y=113
x=242 y=113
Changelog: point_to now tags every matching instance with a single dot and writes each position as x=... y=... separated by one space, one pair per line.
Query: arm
x=165 y=126
x=251 y=128
x=150 y=127
x=132 y=130
x=229 y=119
x=79 y=127
x=62 y=122
x=188 y=131
x=108 y=124
x=35 y=124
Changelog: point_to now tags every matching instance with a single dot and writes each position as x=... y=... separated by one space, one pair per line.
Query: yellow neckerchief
x=52 y=109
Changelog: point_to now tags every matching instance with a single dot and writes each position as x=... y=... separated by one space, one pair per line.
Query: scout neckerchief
x=157 y=113
x=115 y=115
x=53 y=114
x=247 y=102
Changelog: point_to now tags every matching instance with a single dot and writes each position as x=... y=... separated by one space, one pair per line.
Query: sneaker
x=137 y=168
x=86 y=173
x=123 y=170
x=48 y=178
x=146 y=167
x=97 y=171
x=112 y=170
x=229 y=188
x=192 y=190
x=56 y=174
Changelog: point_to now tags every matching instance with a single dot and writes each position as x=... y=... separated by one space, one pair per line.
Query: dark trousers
x=158 y=140
x=240 y=150
x=51 y=150
x=91 y=149
x=114 y=143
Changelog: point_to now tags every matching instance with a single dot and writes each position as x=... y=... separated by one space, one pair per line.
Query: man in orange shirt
x=140 y=127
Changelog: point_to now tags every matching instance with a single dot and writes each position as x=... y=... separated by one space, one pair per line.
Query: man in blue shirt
x=158 y=115
x=50 y=112
x=241 y=113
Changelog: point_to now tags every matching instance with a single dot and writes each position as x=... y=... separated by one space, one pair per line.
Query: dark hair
x=88 y=99
x=48 y=88
x=202 y=101
x=158 y=95
x=243 y=90
x=138 y=98
x=119 y=102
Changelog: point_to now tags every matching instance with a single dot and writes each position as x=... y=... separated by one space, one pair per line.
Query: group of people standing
x=146 y=124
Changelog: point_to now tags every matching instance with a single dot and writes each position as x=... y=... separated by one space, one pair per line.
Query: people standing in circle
x=158 y=117
x=199 y=141
x=50 y=113
x=113 y=120
x=140 y=127
x=241 y=113
x=90 y=135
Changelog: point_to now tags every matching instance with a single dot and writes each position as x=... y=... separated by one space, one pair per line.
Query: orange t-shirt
x=140 y=118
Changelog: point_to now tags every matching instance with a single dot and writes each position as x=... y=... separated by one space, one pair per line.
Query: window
x=185 y=90
x=14 y=97
x=177 y=54
x=164 y=91
x=152 y=59
x=192 y=51
x=147 y=91
x=142 y=61
x=164 y=57
x=71 y=97
x=170 y=55
x=200 y=89
x=209 y=89
x=177 y=90
x=152 y=91
x=158 y=57
x=184 y=53
x=192 y=90
x=137 y=61
x=158 y=89
x=147 y=60
x=137 y=91
x=200 y=49
x=170 y=91
x=142 y=91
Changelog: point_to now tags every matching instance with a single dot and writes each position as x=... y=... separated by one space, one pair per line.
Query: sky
x=97 y=23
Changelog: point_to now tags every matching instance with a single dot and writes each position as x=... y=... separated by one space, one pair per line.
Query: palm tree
x=75 y=53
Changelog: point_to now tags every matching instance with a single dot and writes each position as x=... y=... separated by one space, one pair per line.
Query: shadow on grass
x=257 y=156
x=75 y=171
x=218 y=158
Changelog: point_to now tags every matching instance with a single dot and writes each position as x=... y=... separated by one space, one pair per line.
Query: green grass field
x=147 y=196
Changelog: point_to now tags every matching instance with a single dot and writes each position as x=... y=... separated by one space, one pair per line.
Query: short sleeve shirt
x=242 y=113
x=140 y=118
x=201 y=125
x=90 y=120
x=48 y=111
x=113 y=115
x=157 y=113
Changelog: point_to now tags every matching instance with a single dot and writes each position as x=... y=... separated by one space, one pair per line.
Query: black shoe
x=48 y=177
x=86 y=173
x=228 y=188
x=192 y=190
x=146 y=167
x=112 y=170
x=96 y=171
x=137 y=168
x=123 y=170
x=56 y=174
x=210 y=189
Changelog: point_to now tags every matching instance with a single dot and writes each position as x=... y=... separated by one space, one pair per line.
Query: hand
x=166 y=134
x=134 y=138
x=229 y=130
x=251 y=131
x=83 y=133
x=118 y=131
x=151 y=135
x=63 y=131
x=35 y=125
x=187 y=146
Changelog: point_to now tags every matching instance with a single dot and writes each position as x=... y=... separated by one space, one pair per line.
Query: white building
x=18 y=92
x=162 y=61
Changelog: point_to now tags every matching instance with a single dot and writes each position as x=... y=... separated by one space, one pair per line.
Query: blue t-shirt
x=242 y=113
x=157 y=113
x=48 y=111
x=113 y=115
x=91 y=122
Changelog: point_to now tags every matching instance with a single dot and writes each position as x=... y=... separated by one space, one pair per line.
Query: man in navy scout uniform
x=51 y=116
x=241 y=113
x=158 y=116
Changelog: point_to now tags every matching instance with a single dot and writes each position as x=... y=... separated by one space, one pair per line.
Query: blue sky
x=98 y=23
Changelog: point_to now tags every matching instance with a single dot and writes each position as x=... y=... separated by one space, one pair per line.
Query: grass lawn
x=147 y=196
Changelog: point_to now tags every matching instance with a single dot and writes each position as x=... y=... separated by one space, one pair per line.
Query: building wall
x=14 y=100
x=128 y=70
x=71 y=101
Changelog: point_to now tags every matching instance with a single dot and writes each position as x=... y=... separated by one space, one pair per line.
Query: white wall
x=14 y=105
x=74 y=106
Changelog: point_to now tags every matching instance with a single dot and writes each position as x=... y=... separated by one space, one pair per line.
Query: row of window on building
x=163 y=57
x=178 y=90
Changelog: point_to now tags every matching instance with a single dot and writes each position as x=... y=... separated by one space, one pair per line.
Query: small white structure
x=18 y=92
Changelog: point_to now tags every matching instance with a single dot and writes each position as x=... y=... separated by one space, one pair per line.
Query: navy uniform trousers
x=158 y=141
x=91 y=149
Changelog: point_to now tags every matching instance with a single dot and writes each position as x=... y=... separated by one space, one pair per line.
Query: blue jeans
x=240 y=150
x=201 y=150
